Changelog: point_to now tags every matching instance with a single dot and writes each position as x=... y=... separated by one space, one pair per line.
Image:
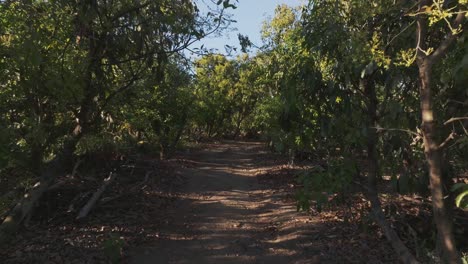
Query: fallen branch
x=392 y=237
x=21 y=211
x=71 y=207
x=90 y=204
x=25 y=206
x=53 y=169
x=133 y=189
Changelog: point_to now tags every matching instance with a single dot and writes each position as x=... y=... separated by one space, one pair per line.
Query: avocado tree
x=65 y=65
x=430 y=49
x=352 y=41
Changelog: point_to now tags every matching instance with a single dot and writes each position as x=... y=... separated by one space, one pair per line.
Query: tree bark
x=432 y=150
x=433 y=157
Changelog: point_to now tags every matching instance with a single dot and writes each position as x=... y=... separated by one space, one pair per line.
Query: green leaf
x=458 y=200
x=458 y=186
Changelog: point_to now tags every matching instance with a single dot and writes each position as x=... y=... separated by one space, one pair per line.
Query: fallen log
x=77 y=198
x=54 y=169
x=392 y=237
x=23 y=208
x=90 y=204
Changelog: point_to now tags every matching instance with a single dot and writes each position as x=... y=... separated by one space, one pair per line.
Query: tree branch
x=443 y=47
x=464 y=129
x=454 y=119
x=447 y=140
x=396 y=129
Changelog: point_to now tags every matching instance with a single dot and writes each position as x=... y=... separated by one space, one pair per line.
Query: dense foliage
x=342 y=83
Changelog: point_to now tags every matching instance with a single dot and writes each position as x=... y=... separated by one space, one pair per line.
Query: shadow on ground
x=210 y=205
x=224 y=215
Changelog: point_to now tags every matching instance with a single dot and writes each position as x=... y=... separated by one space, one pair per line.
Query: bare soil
x=237 y=207
x=223 y=202
x=225 y=215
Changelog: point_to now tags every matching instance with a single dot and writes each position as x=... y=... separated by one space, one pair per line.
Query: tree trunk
x=37 y=156
x=432 y=152
x=175 y=141
x=238 y=124
x=63 y=161
x=372 y=156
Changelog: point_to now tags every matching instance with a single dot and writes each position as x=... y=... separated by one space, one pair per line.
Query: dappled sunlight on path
x=225 y=216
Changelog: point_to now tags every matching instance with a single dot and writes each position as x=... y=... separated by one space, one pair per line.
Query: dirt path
x=226 y=216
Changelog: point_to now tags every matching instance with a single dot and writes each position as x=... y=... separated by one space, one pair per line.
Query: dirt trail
x=226 y=216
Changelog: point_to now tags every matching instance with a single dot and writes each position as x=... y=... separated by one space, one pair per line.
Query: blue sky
x=249 y=15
